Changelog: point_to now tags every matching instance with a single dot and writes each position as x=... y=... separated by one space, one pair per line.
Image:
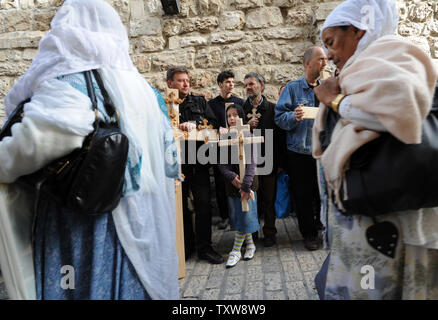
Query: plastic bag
x=282 y=198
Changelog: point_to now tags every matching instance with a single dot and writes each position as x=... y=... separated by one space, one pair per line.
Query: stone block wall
x=208 y=36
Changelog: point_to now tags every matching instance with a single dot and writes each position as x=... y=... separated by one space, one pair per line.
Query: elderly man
x=264 y=120
x=301 y=167
x=193 y=110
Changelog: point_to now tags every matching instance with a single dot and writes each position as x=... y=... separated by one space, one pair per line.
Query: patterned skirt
x=80 y=257
x=358 y=271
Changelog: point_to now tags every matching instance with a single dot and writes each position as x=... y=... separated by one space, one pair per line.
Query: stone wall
x=208 y=36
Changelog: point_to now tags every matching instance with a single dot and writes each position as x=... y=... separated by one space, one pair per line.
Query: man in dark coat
x=259 y=114
x=193 y=110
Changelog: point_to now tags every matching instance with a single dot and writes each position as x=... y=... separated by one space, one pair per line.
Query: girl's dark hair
x=232 y=106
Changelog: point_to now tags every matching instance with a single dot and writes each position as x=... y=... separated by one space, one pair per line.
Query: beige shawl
x=391 y=79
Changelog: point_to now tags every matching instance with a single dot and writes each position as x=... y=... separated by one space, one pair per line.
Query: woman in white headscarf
x=125 y=254
x=386 y=84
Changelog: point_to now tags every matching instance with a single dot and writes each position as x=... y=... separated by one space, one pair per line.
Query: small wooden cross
x=254 y=114
x=172 y=100
x=240 y=140
x=205 y=126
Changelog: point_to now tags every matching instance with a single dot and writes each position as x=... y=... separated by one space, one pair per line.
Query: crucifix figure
x=254 y=114
x=173 y=103
x=241 y=141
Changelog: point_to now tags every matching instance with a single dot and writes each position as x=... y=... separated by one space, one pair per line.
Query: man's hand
x=236 y=182
x=299 y=113
x=187 y=126
x=253 y=123
x=327 y=91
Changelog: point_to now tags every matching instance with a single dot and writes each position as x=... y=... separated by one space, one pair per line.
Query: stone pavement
x=3 y=294
x=285 y=271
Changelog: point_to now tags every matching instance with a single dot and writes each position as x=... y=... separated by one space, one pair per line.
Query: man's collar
x=261 y=105
x=306 y=84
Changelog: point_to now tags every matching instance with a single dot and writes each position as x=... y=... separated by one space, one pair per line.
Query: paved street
x=283 y=272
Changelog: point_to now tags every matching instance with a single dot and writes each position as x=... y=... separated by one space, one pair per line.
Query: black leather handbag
x=89 y=180
x=387 y=175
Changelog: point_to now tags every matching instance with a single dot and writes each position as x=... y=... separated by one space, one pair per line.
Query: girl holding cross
x=238 y=189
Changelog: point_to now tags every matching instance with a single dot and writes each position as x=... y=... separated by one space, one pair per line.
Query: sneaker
x=233 y=259
x=249 y=253
x=223 y=224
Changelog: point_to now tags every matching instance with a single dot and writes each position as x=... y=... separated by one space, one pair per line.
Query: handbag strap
x=108 y=104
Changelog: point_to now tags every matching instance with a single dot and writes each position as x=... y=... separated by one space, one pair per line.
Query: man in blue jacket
x=300 y=165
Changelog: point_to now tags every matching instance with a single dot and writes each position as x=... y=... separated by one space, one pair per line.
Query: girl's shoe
x=249 y=253
x=233 y=259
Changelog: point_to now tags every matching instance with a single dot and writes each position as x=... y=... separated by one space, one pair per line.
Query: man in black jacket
x=193 y=110
x=263 y=119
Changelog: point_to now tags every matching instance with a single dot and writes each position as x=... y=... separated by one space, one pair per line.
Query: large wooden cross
x=241 y=141
x=173 y=102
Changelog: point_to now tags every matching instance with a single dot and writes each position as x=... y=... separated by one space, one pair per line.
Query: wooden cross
x=241 y=141
x=254 y=114
x=172 y=100
x=205 y=126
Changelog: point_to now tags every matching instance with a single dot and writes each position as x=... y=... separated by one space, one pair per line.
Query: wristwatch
x=335 y=103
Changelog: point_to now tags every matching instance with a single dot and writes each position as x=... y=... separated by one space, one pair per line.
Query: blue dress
x=244 y=222
x=78 y=256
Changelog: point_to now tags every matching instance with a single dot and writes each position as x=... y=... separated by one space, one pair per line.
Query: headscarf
x=377 y=17
x=88 y=35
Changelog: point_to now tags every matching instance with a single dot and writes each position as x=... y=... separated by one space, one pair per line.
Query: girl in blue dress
x=245 y=223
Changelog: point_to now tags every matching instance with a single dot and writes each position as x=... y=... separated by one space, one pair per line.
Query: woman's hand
x=236 y=182
x=327 y=91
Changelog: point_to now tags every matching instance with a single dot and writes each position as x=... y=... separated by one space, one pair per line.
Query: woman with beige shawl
x=386 y=83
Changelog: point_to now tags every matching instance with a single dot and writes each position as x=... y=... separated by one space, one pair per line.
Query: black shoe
x=311 y=244
x=211 y=256
x=269 y=241
x=223 y=224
